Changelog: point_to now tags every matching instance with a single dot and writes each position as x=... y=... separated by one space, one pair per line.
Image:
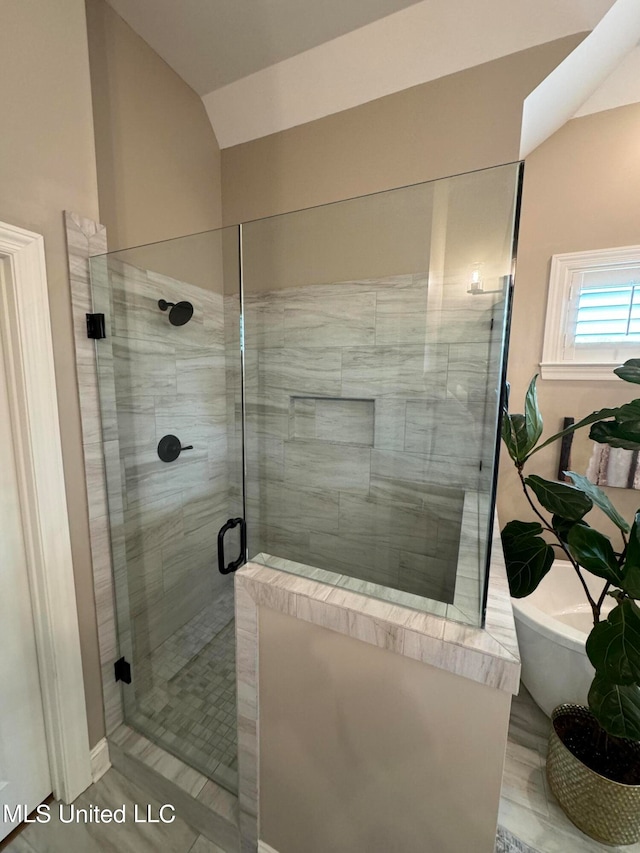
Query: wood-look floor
x=527 y=808
x=112 y=791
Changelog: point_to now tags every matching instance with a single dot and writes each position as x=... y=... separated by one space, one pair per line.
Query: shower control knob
x=170 y=447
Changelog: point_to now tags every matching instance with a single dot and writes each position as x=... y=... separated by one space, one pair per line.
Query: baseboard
x=264 y=848
x=100 y=761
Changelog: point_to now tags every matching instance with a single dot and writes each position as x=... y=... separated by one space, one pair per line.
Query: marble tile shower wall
x=365 y=403
x=169 y=380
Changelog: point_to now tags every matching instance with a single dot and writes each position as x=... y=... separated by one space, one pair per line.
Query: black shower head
x=181 y=312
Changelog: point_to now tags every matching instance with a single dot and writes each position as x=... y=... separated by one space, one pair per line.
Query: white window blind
x=593 y=313
x=603 y=313
x=609 y=314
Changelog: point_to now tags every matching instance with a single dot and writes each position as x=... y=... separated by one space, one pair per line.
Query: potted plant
x=593 y=764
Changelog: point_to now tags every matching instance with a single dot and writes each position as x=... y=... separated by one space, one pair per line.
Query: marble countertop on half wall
x=486 y=655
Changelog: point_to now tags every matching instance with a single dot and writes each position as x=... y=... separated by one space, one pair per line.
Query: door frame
x=25 y=332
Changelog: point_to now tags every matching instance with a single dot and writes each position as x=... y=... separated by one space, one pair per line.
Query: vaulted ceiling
x=214 y=42
x=264 y=65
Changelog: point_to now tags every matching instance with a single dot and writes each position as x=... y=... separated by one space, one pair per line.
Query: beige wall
x=158 y=158
x=386 y=234
x=47 y=164
x=158 y=172
x=364 y=750
x=196 y=259
x=455 y=124
x=581 y=191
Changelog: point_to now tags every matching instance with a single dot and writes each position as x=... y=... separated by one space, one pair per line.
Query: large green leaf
x=616 y=707
x=623 y=431
x=589 y=419
x=613 y=646
x=562 y=526
x=528 y=557
x=625 y=435
x=518 y=531
x=514 y=435
x=599 y=499
x=532 y=416
x=631 y=568
x=631 y=580
x=629 y=371
x=628 y=412
x=560 y=498
x=521 y=432
x=594 y=552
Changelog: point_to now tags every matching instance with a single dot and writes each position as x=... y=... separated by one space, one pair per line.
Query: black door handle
x=234 y=564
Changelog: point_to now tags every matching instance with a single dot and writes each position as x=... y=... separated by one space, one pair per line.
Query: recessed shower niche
x=331 y=383
x=333 y=419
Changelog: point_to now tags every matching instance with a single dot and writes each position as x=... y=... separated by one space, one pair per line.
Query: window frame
x=565 y=268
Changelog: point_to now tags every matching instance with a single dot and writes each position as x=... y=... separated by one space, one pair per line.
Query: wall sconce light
x=476 y=282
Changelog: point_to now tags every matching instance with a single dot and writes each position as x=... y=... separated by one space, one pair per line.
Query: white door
x=24 y=766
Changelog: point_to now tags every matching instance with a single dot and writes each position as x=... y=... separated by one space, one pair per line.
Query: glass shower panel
x=169 y=375
x=374 y=335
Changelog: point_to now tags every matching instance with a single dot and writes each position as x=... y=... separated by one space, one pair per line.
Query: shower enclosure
x=318 y=392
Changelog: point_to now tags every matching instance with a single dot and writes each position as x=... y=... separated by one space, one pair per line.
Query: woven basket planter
x=605 y=810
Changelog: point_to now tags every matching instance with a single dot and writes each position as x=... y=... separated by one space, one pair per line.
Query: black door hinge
x=96 y=327
x=122 y=671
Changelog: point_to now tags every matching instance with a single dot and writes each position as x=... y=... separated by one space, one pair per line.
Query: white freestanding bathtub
x=552 y=626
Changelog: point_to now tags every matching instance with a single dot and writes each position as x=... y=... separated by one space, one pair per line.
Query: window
x=593 y=313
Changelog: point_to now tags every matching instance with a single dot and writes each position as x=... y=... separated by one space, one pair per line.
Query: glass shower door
x=169 y=376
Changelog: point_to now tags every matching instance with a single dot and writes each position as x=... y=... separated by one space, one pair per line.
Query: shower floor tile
x=185 y=693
